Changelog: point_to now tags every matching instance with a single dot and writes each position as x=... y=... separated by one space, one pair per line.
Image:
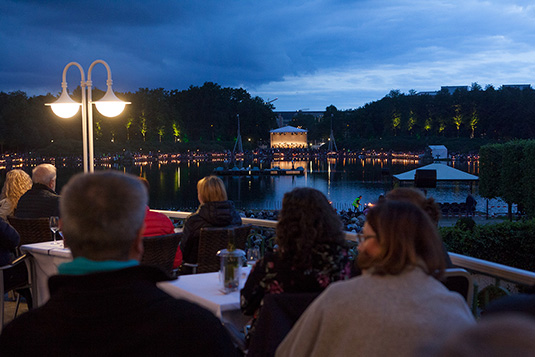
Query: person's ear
x=136 y=251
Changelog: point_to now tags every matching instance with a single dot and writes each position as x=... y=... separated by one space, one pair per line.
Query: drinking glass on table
x=54 y=226
x=253 y=254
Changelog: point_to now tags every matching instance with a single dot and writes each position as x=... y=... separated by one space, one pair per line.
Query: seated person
x=41 y=200
x=158 y=224
x=9 y=240
x=397 y=303
x=311 y=251
x=18 y=276
x=502 y=335
x=104 y=303
x=429 y=205
x=215 y=211
x=16 y=184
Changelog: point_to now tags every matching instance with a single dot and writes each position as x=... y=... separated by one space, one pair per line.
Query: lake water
x=173 y=185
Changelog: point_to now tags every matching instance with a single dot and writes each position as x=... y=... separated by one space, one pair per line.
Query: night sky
x=308 y=54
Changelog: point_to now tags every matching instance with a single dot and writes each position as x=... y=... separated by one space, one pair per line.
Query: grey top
x=373 y=315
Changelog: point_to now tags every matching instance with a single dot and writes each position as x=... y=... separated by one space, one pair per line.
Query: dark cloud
x=344 y=53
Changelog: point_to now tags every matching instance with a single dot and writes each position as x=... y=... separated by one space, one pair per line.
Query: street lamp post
x=109 y=106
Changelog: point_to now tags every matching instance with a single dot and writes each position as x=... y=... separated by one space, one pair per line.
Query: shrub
x=508 y=243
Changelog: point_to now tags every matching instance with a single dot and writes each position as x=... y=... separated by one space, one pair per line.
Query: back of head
x=306 y=219
x=417 y=198
x=407 y=237
x=43 y=174
x=102 y=214
x=211 y=189
x=16 y=184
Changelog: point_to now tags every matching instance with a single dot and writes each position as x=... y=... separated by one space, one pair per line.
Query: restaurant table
x=204 y=290
x=46 y=257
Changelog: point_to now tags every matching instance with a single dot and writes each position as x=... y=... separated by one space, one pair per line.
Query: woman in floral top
x=311 y=251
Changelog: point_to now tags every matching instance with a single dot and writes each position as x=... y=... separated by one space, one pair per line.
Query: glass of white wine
x=54 y=226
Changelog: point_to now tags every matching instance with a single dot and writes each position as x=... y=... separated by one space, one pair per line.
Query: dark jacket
x=9 y=240
x=40 y=201
x=210 y=214
x=115 y=313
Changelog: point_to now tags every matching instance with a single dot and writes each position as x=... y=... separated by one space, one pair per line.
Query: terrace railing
x=498 y=274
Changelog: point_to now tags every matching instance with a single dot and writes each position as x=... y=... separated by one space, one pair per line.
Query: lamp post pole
x=109 y=106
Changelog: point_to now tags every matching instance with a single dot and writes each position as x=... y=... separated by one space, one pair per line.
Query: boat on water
x=255 y=171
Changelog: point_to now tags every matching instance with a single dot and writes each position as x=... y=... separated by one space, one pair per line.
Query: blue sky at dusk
x=308 y=54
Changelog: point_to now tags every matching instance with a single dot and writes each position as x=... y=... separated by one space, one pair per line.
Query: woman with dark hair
x=397 y=303
x=311 y=251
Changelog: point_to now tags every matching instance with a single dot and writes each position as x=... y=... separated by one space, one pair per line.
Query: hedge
x=507 y=243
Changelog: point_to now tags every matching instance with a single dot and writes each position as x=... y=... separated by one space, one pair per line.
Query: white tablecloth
x=204 y=290
x=47 y=256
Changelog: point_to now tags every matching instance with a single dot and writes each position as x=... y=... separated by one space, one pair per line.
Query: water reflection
x=173 y=184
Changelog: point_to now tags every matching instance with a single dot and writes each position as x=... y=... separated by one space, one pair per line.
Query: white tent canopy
x=444 y=173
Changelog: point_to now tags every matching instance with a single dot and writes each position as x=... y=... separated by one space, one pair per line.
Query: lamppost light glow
x=65 y=107
x=110 y=106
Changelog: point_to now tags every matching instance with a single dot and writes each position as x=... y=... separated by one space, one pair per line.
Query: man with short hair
x=103 y=303
x=41 y=200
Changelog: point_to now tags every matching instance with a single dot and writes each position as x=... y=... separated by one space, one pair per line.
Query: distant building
x=438 y=152
x=517 y=86
x=285 y=118
x=452 y=89
x=288 y=137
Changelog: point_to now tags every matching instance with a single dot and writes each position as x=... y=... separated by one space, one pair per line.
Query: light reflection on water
x=173 y=185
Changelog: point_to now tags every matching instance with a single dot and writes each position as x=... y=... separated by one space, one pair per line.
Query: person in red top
x=158 y=224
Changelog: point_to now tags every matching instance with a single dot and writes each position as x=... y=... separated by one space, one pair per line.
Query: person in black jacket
x=104 y=303
x=41 y=200
x=215 y=211
x=9 y=240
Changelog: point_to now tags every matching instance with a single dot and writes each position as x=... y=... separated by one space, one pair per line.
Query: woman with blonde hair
x=215 y=210
x=16 y=184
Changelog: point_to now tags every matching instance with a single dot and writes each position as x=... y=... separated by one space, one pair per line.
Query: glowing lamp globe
x=65 y=107
x=110 y=106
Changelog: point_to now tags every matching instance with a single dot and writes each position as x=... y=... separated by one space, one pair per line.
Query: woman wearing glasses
x=396 y=305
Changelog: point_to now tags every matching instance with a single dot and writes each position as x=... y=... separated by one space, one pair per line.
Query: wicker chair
x=160 y=251
x=212 y=240
x=31 y=230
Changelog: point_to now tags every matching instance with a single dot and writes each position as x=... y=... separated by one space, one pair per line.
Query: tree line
x=209 y=115
x=495 y=114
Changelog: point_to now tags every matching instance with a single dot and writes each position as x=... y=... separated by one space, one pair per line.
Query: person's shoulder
x=524 y=303
x=197 y=316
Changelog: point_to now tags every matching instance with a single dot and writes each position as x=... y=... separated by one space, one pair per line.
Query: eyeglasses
x=361 y=237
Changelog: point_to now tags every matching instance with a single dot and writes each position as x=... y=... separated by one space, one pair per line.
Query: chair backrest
x=13 y=276
x=213 y=239
x=31 y=230
x=278 y=314
x=460 y=280
x=160 y=251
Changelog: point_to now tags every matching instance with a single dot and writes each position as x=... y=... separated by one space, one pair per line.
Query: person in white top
x=396 y=305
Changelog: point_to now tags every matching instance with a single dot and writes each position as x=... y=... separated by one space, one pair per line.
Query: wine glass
x=54 y=226
x=253 y=254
